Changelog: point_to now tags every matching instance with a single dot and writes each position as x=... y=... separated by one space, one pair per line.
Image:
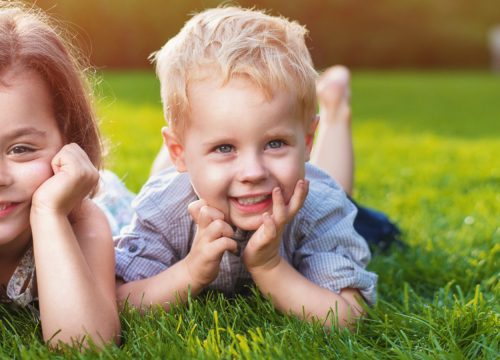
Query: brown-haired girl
x=56 y=250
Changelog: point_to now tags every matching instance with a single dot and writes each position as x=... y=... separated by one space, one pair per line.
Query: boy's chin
x=248 y=224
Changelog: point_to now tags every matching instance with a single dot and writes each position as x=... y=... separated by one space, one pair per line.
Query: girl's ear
x=310 y=136
x=175 y=148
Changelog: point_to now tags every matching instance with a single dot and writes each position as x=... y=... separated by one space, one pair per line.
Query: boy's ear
x=175 y=148
x=310 y=136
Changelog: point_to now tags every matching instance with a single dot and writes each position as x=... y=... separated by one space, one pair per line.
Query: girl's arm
x=74 y=260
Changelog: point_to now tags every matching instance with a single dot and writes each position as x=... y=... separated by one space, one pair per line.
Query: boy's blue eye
x=275 y=144
x=226 y=148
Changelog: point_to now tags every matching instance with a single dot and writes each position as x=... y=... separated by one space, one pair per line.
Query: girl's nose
x=5 y=176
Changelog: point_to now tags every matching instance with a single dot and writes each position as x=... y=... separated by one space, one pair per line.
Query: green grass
x=427 y=148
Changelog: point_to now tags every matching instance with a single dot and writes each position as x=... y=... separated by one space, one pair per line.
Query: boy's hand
x=212 y=239
x=262 y=250
x=74 y=178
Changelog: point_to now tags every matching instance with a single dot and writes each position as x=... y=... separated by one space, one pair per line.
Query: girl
x=55 y=244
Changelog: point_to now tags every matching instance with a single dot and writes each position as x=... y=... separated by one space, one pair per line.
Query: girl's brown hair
x=30 y=41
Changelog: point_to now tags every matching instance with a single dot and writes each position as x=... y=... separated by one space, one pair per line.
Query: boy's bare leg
x=332 y=149
x=162 y=161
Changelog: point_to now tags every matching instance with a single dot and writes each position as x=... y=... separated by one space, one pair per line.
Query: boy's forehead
x=237 y=82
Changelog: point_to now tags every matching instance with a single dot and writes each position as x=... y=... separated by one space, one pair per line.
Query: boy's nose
x=252 y=169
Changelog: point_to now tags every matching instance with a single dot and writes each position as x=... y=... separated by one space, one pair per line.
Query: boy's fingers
x=224 y=244
x=266 y=232
x=279 y=210
x=217 y=229
x=207 y=215
x=298 y=197
x=194 y=209
x=270 y=230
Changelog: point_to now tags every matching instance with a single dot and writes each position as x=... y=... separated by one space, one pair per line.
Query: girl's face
x=29 y=139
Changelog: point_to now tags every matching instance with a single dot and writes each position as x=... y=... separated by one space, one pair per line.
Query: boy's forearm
x=169 y=287
x=290 y=291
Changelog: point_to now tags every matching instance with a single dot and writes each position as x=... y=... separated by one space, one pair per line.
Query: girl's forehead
x=25 y=100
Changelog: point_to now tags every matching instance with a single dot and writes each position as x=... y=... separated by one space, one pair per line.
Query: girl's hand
x=74 y=178
x=212 y=239
x=262 y=250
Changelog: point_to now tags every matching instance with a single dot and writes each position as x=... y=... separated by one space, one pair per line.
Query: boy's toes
x=332 y=86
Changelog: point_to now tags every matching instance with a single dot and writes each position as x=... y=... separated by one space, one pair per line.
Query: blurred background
x=368 y=34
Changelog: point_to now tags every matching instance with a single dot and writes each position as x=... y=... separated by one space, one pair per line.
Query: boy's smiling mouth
x=253 y=203
x=251 y=200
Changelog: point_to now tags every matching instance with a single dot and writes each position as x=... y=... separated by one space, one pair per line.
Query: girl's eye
x=224 y=149
x=275 y=144
x=20 y=149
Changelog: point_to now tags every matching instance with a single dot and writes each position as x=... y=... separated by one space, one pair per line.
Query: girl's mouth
x=6 y=208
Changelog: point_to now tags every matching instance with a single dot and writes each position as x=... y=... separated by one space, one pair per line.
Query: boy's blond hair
x=231 y=41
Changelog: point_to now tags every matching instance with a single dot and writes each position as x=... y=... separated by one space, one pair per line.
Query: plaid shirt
x=320 y=242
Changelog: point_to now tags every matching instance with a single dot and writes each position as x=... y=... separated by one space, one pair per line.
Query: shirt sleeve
x=158 y=235
x=329 y=251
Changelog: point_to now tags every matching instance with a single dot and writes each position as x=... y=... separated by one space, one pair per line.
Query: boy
x=238 y=88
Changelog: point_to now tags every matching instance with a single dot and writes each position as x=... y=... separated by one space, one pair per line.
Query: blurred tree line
x=358 y=33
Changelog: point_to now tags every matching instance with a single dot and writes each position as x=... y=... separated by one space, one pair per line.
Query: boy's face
x=239 y=145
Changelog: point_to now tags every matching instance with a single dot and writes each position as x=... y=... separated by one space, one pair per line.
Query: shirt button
x=132 y=248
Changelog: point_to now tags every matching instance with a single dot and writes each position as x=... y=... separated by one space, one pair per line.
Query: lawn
x=427 y=152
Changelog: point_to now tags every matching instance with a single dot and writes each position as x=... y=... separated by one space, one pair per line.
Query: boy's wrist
x=264 y=269
x=195 y=284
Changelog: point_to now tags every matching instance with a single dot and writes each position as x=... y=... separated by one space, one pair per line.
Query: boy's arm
x=299 y=292
x=168 y=287
x=190 y=274
x=290 y=291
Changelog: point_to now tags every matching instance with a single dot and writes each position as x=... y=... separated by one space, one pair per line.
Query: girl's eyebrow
x=25 y=131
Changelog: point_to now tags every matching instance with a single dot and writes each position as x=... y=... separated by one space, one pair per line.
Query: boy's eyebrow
x=280 y=132
x=214 y=142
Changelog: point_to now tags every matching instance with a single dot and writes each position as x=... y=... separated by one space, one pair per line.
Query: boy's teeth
x=252 y=200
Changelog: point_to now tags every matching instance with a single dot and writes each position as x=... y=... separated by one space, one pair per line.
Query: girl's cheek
x=36 y=173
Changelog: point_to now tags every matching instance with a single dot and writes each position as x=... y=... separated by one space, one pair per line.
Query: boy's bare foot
x=332 y=89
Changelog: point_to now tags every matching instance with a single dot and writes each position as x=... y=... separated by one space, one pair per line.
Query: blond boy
x=242 y=205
